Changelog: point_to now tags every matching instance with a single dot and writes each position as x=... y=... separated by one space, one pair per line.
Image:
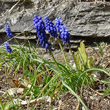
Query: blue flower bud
x=8 y=31
x=62 y=29
x=8 y=48
x=59 y=24
x=64 y=34
x=50 y=27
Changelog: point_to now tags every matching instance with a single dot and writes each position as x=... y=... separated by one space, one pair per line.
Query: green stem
x=56 y=62
x=54 y=59
x=17 y=43
x=53 y=56
x=61 y=71
x=62 y=51
x=1 y=106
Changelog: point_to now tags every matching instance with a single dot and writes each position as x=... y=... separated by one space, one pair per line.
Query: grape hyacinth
x=64 y=34
x=62 y=29
x=8 y=48
x=59 y=24
x=8 y=31
x=38 y=23
x=50 y=27
x=41 y=34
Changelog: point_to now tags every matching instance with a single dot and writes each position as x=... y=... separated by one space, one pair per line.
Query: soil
x=93 y=97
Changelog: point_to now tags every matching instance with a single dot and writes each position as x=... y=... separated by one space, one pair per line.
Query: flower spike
x=41 y=34
x=62 y=29
x=50 y=27
x=8 y=48
x=8 y=31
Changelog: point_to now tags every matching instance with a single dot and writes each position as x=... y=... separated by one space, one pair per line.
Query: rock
x=87 y=19
x=11 y=1
x=8 y=1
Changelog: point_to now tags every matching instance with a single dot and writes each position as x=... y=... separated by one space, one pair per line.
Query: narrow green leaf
x=1 y=106
x=83 y=54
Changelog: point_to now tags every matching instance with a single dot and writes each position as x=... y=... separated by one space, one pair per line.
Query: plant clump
x=41 y=77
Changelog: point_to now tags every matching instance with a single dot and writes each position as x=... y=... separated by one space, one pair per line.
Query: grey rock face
x=83 y=19
x=8 y=0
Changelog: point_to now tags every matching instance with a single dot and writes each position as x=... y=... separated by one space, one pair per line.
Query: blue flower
x=64 y=34
x=41 y=34
x=38 y=23
x=8 y=48
x=62 y=29
x=59 y=24
x=50 y=27
x=8 y=31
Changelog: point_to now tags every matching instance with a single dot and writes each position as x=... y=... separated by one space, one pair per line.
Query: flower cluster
x=64 y=34
x=8 y=48
x=50 y=27
x=62 y=29
x=41 y=34
x=59 y=24
x=39 y=25
x=8 y=31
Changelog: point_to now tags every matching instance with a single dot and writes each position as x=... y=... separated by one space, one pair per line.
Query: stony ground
x=93 y=96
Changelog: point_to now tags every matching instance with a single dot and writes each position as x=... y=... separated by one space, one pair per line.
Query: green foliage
x=83 y=62
x=100 y=47
x=106 y=83
x=20 y=60
x=49 y=78
x=107 y=92
x=1 y=106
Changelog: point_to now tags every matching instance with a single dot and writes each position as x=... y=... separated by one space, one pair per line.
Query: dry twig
x=96 y=92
